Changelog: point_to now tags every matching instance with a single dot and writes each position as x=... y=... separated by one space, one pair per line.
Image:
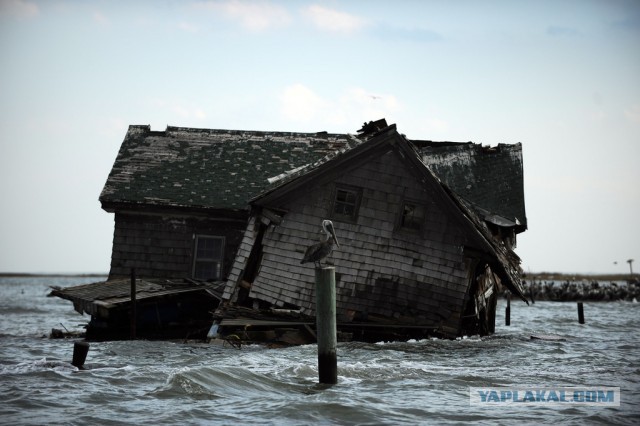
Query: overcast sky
x=562 y=77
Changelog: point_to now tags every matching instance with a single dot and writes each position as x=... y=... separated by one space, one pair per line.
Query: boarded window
x=346 y=203
x=413 y=216
x=207 y=261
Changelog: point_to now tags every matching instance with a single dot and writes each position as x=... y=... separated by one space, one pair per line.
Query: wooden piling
x=580 y=313
x=326 y=325
x=133 y=304
x=507 y=311
x=80 y=350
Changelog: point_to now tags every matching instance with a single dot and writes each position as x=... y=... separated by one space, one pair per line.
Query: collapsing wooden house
x=416 y=258
x=426 y=228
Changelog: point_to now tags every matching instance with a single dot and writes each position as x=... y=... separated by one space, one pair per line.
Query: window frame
x=401 y=226
x=219 y=260
x=341 y=217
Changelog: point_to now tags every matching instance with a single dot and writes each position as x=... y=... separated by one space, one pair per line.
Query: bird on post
x=319 y=251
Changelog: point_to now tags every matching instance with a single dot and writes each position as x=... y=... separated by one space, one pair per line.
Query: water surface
x=416 y=382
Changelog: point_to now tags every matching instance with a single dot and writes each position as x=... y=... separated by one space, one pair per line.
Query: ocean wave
x=37 y=366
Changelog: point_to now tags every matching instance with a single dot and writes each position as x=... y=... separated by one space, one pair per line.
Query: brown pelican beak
x=335 y=239
x=333 y=233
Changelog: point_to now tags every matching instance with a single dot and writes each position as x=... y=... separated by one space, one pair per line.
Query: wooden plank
x=244 y=322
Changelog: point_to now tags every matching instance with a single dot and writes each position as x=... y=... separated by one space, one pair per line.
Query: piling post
x=580 y=313
x=507 y=311
x=80 y=350
x=133 y=304
x=326 y=325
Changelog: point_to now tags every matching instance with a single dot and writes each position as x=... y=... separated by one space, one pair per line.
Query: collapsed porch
x=165 y=309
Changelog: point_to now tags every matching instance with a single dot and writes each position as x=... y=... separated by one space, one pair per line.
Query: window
x=207 y=261
x=413 y=216
x=346 y=202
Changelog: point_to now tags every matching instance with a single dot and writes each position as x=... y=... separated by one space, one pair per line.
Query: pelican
x=319 y=251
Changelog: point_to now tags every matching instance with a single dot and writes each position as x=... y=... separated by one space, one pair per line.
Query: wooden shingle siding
x=162 y=246
x=382 y=270
x=242 y=255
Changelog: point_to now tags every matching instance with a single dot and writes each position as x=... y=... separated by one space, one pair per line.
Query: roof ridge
x=321 y=133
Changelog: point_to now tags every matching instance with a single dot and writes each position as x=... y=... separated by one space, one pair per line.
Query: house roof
x=224 y=169
x=491 y=178
x=505 y=262
x=208 y=169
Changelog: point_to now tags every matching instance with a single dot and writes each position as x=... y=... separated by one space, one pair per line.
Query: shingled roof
x=491 y=178
x=224 y=169
x=208 y=169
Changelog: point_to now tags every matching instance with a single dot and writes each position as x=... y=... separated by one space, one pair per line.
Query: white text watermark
x=596 y=395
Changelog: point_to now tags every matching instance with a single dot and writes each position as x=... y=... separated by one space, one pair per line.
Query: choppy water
x=419 y=382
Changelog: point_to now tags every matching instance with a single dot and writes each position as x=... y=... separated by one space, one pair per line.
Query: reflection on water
x=385 y=383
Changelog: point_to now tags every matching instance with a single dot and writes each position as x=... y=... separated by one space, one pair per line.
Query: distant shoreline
x=563 y=276
x=27 y=275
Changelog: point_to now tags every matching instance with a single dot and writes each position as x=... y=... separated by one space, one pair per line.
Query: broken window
x=346 y=203
x=207 y=262
x=413 y=216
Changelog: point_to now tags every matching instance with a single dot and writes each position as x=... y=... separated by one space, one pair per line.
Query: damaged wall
x=410 y=276
x=163 y=245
